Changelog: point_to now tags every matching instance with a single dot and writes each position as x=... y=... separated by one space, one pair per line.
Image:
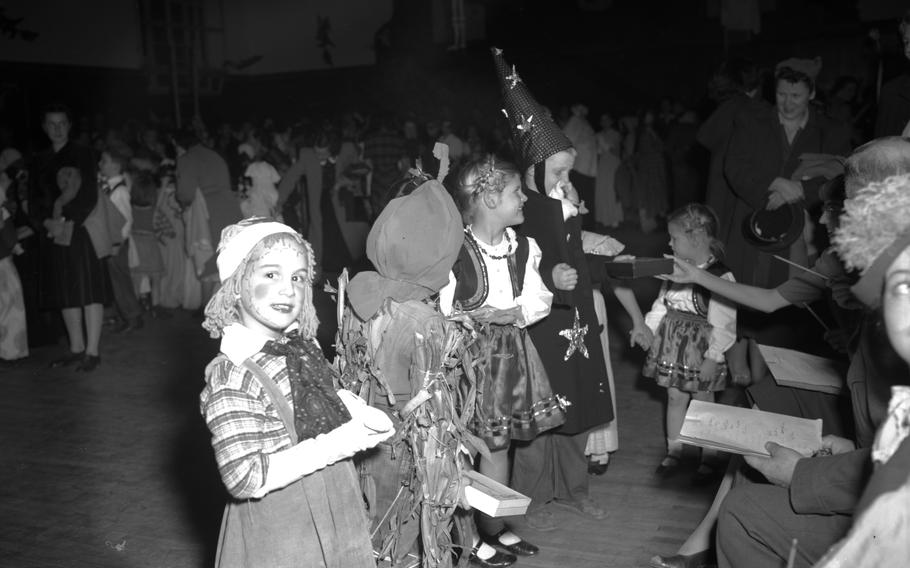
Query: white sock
x=485 y=551
x=508 y=538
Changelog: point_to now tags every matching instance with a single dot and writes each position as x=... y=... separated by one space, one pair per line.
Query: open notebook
x=745 y=430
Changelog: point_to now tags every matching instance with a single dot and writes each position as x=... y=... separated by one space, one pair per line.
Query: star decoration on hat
x=513 y=79
x=525 y=124
x=576 y=336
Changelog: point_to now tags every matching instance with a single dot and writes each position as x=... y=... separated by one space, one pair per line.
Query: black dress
x=68 y=276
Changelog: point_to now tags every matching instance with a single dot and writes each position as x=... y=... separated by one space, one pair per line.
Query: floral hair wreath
x=489 y=178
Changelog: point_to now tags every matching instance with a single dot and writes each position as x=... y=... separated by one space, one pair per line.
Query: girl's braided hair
x=478 y=177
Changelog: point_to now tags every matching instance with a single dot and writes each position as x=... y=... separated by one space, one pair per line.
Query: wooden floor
x=114 y=469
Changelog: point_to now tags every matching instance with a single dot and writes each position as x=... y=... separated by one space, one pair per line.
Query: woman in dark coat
x=763 y=155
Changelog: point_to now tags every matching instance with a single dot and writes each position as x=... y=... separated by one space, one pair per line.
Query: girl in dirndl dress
x=497 y=283
x=692 y=330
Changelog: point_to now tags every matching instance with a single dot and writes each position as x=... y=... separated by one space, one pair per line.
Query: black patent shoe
x=88 y=364
x=597 y=468
x=498 y=560
x=520 y=548
x=67 y=360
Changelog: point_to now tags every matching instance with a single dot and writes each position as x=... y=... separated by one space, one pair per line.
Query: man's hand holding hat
x=783 y=191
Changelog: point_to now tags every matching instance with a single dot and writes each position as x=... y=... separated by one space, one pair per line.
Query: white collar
x=240 y=343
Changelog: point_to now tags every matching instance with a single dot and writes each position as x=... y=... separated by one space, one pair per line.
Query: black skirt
x=80 y=278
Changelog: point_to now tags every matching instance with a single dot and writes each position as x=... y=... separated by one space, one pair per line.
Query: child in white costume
x=262 y=186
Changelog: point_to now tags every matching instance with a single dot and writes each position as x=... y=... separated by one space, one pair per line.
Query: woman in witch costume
x=281 y=432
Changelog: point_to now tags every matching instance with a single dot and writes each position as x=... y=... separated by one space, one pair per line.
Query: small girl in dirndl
x=497 y=282
x=692 y=329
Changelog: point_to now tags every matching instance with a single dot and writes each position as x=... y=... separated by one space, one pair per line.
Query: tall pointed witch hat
x=535 y=134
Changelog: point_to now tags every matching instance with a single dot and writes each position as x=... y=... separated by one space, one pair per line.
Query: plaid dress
x=319 y=520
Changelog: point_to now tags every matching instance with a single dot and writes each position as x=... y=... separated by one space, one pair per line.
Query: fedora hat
x=774 y=230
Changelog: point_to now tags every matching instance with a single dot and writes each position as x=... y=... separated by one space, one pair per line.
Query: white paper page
x=745 y=431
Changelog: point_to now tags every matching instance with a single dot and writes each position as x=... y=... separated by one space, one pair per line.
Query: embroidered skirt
x=515 y=400
x=677 y=353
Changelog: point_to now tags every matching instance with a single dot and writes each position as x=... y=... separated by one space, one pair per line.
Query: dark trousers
x=551 y=466
x=118 y=265
x=757 y=525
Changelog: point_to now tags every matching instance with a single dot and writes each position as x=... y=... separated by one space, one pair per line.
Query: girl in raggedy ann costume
x=498 y=283
x=283 y=436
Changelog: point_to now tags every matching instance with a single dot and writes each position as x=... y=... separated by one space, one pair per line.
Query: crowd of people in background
x=111 y=226
x=328 y=176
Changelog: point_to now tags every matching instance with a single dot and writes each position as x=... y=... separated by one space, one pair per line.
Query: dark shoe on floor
x=12 y=363
x=706 y=474
x=668 y=467
x=597 y=468
x=498 y=560
x=697 y=560
x=520 y=548
x=584 y=507
x=88 y=364
x=67 y=360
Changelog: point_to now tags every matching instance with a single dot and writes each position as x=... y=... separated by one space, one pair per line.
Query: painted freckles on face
x=273 y=287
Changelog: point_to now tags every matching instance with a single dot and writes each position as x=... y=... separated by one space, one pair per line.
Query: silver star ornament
x=576 y=336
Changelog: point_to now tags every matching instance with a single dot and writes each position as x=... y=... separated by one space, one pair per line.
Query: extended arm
x=762 y=299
